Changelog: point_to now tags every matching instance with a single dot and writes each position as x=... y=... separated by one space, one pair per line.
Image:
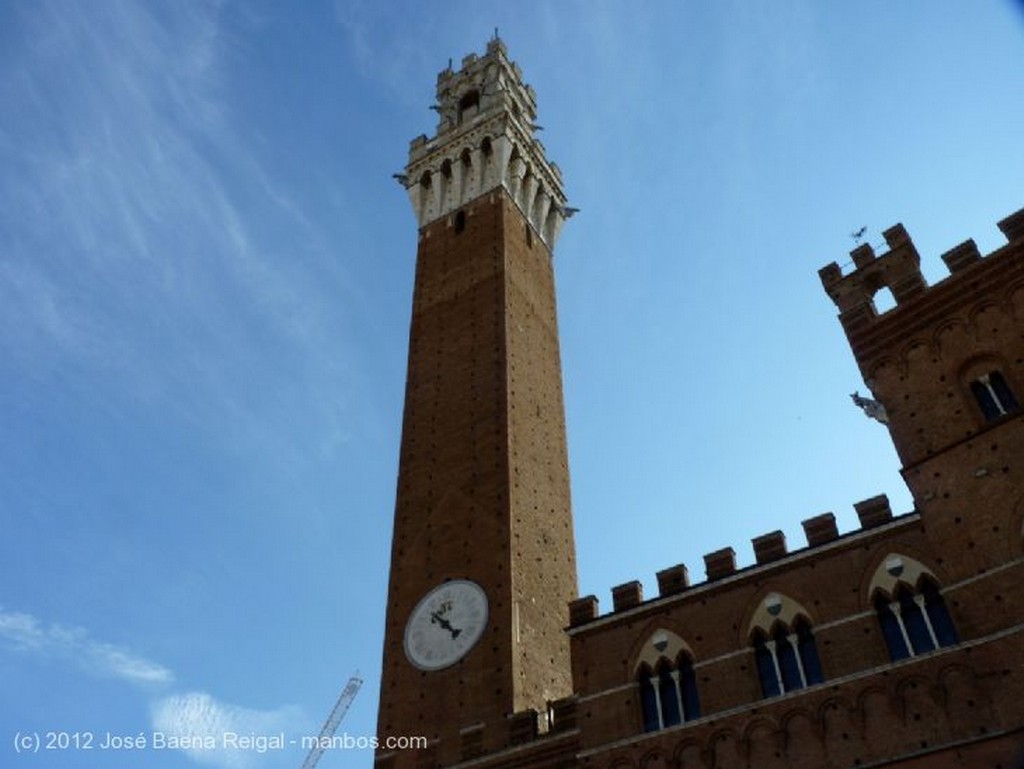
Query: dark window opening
x=986 y=400
x=668 y=694
x=766 y=666
x=808 y=652
x=788 y=665
x=915 y=623
x=688 y=682
x=789 y=660
x=649 y=701
x=917 y=626
x=460 y=222
x=469 y=104
x=994 y=396
x=891 y=631
x=938 y=614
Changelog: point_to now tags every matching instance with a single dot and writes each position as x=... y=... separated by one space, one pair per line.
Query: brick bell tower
x=482 y=561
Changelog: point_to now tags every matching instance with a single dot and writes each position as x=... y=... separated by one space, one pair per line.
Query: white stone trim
x=516 y=160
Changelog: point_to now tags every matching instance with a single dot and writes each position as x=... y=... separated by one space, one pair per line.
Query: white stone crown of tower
x=485 y=140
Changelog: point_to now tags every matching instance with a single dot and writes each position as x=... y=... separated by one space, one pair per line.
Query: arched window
x=767 y=670
x=937 y=613
x=893 y=632
x=994 y=396
x=787 y=660
x=688 y=685
x=469 y=105
x=807 y=651
x=668 y=693
x=785 y=652
x=914 y=621
x=649 y=701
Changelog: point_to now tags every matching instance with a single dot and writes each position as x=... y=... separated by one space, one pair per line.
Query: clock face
x=445 y=624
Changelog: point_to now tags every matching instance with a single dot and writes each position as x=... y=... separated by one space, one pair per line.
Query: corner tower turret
x=947 y=365
x=945 y=362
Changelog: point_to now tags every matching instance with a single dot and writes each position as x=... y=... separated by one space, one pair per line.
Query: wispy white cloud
x=108 y=108
x=144 y=236
x=192 y=714
x=380 y=49
x=198 y=715
x=26 y=633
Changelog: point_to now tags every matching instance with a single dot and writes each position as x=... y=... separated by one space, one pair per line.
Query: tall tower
x=482 y=561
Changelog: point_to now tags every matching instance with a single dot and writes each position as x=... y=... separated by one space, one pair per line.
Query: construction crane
x=323 y=740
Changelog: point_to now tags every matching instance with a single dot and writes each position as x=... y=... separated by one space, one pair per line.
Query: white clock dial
x=445 y=624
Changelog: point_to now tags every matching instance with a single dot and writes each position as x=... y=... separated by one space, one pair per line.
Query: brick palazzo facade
x=899 y=644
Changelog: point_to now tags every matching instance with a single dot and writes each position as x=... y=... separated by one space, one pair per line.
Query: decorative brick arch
x=803 y=738
x=894 y=569
x=690 y=754
x=773 y=608
x=658 y=643
x=871 y=579
x=762 y=742
x=656 y=758
x=955 y=327
x=724 y=750
x=621 y=762
x=975 y=312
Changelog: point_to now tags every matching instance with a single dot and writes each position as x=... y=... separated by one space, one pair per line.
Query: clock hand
x=438 y=619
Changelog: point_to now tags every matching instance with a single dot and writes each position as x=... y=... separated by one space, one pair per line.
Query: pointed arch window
x=994 y=396
x=649 y=700
x=787 y=659
x=914 y=621
x=668 y=693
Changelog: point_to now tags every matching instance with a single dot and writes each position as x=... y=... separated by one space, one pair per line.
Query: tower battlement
x=898 y=270
x=925 y=358
x=485 y=140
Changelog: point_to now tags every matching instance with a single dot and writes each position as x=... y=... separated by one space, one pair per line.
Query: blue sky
x=205 y=281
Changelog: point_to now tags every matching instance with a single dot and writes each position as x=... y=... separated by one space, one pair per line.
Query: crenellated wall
x=721 y=564
x=865 y=709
